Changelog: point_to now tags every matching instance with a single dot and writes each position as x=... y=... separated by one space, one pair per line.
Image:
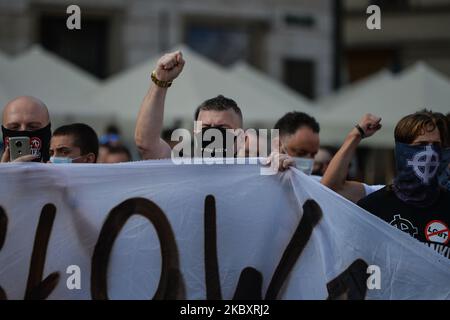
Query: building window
x=226 y=41
x=86 y=48
x=224 y=45
x=301 y=21
x=300 y=76
x=363 y=62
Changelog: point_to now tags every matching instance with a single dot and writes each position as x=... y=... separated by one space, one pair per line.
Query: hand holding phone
x=19 y=147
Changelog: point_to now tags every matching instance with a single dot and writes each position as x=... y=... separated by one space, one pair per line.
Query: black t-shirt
x=428 y=225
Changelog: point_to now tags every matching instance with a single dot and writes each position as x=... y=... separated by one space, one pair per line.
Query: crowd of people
x=417 y=201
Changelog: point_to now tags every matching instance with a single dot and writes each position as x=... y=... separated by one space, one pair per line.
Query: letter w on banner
x=157 y=230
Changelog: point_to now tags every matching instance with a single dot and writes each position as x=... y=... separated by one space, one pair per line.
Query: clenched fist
x=370 y=124
x=169 y=66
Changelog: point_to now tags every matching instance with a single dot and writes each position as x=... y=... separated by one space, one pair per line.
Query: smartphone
x=18 y=147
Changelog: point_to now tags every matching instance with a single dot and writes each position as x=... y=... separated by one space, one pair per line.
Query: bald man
x=27 y=117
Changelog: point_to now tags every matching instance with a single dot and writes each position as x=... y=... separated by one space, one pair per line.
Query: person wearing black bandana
x=218 y=117
x=27 y=117
x=415 y=202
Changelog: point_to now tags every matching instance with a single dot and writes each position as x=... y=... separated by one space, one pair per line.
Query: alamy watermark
x=374 y=280
x=373 y=22
x=73 y=22
x=226 y=146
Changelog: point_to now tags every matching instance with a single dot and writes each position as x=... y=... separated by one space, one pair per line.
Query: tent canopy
x=357 y=88
x=200 y=80
x=62 y=86
x=416 y=88
x=288 y=100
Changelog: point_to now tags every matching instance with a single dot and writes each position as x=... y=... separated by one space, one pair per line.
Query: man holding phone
x=26 y=121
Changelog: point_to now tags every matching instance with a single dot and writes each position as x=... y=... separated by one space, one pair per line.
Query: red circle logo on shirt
x=437 y=231
x=35 y=143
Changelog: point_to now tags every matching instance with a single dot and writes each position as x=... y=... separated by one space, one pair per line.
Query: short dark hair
x=118 y=150
x=219 y=103
x=112 y=129
x=416 y=124
x=292 y=121
x=84 y=136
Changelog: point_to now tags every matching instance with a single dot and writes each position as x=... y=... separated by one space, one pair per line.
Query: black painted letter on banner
x=38 y=289
x=170 y=284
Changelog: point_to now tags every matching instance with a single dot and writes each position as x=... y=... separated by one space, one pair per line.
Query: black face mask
x=216 y=142
x=416 y=182
x=39 y=141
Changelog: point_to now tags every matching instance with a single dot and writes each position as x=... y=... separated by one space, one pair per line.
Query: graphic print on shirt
x=437 y=231
x=404 y=225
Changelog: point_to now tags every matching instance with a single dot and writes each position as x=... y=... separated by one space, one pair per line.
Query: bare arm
x=149 y=124
x=335 y=176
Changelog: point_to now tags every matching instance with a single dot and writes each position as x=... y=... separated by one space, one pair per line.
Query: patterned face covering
x=416 y=182
x=444 y=170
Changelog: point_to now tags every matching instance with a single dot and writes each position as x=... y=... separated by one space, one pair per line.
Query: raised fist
x=370 y=124
x=169 y=66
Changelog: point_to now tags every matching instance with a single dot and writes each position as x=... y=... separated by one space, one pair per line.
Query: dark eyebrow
x=220 y=125
x=12 y=124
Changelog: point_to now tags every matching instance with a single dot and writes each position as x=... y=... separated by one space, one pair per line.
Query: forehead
x=429 y=136
x=220 y=118
x=304 y=138
x=62 y=141
x=24 y=113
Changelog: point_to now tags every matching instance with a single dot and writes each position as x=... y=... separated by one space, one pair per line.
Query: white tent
x=61 y=85
x=358 y=88
x=200 y=80
x=5 y=64
x=288 y=100
x=416 y=88
x=3 y=97
x=122 y=94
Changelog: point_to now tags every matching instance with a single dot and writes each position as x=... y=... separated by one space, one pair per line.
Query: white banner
x=157 y=230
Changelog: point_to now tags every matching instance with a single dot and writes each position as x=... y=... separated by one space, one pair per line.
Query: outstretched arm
x=149 y=123
x=335 y=176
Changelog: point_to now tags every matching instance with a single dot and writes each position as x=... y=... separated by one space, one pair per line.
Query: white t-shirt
x=371 y=189
x=368 y=189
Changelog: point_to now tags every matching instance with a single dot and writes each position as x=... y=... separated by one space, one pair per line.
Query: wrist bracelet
x=160 y=83
x=361 y=131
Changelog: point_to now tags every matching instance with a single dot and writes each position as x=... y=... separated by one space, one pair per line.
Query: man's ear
x=91 y=158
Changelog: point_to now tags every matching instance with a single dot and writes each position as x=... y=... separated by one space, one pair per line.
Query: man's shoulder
x=374 y=197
